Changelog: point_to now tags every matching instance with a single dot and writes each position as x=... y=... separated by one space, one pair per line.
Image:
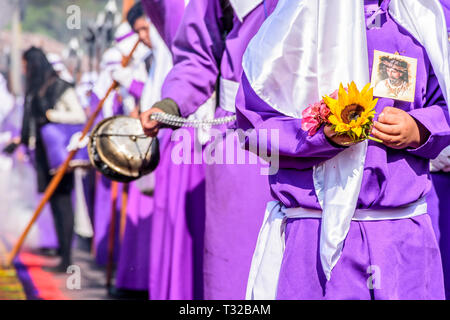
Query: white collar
x=243 y=7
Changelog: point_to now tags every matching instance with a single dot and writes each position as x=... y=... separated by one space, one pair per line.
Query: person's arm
x=296 y=149
x=67 y=110
x=197 y=50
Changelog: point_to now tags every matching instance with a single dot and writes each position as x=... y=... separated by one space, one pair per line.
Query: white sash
x=205 y=112
x=243 y=7
x=265 y=268
x=228 y=92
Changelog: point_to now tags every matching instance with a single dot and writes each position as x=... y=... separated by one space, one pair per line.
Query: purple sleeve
x=296 y=149
x=93 y=101
x=197 y=50
x=136 y=88
x=166 y=16
x=435 y=118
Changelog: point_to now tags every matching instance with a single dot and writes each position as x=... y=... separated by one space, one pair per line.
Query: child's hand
x=398 y=130
x=342 y=140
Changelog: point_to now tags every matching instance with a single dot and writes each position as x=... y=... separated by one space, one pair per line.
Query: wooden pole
x=112 y=226
x=63 y=168
x=97 y=177
x=112 y=233
x=127 y=4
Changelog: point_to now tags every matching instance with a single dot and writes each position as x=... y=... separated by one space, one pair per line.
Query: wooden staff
x=123 y=210
x=97 y=180
x=63 y=168
x=112 y=233
x=112 y=226
x=127 y=4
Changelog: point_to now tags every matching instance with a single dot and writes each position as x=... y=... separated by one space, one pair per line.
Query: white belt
x=265 y=268
x=228 y=92
x=411 y=210
x=205 y=112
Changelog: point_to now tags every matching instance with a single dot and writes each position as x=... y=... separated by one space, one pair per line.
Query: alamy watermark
x=232 y=147
x=73 y=282
x=374 y=280
x=73 y=21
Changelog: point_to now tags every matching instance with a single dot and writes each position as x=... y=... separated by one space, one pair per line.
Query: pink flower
x=324 y=112
x=310 y=124
x=335 y=94
x=315 y=115
x=311 y=111
x=310 y=119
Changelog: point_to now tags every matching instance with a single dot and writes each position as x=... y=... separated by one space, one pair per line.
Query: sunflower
x=353 y=111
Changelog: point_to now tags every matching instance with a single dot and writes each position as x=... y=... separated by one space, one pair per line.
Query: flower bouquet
x=348 y=111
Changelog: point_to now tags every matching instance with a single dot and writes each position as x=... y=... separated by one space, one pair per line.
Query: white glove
x=124 y=76
x=442 y=162
x=75 y=142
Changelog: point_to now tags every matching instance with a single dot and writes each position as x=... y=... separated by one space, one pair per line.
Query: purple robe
x=176 y=236
x=136 y=88
x=102 y=220
x=46 y=226
x=102 y=202
x=132 y=267
x=231 y=189
x=176 y=229
x=403 y=254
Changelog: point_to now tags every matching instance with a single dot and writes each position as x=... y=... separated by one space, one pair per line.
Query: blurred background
x=49 y=24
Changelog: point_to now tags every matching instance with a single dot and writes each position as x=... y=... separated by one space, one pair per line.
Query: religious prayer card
x=394 y=76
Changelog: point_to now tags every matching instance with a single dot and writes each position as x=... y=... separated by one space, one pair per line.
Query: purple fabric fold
x=165 y=15
x=56 y=138
x=177 y=228
x=136 y=88
x=132 y=266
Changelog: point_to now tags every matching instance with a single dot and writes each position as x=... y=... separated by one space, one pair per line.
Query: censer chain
x=176 y=121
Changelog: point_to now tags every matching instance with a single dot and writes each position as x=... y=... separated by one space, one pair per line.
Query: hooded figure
x=438 y=200
x=353 y=219
x=122 y=101
x=218 y=203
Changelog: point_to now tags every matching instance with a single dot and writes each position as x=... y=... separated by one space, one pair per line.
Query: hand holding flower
x=339 y=139
x=347 y=114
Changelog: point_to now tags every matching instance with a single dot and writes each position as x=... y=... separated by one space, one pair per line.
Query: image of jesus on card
x=394 y=76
